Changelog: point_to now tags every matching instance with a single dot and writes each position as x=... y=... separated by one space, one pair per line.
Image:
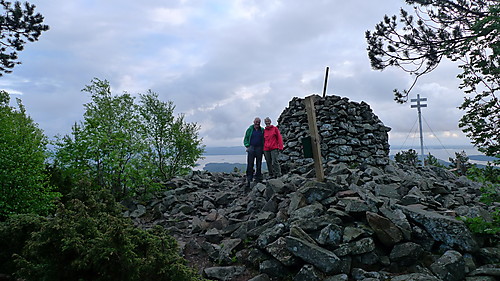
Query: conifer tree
x=19 y=24
x=465 y=31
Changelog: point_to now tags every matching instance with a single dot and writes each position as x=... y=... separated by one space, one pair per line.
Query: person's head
x=256 y=122
x=267 y=121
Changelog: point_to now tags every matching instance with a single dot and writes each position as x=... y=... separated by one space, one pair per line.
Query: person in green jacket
x=254 y=143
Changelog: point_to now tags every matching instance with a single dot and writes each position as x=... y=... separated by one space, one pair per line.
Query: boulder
x=321 y=258
x=387 y=232
x=445 y=229
x=223 y=273
x=449 y=267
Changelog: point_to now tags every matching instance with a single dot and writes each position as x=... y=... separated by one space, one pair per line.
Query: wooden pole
x=315 y=141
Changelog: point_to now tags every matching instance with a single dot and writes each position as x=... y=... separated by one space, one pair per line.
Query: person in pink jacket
x=273 y=143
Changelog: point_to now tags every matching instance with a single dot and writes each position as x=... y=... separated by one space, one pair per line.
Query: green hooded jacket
x=248 y=135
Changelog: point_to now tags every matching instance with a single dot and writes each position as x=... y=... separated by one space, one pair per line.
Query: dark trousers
x=254 y=154
x=273 y=166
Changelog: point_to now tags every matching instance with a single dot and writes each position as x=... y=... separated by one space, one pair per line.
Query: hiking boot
x=247 y=187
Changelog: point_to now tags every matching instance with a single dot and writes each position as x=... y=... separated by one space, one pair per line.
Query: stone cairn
x=349 y=132
x=366 y=222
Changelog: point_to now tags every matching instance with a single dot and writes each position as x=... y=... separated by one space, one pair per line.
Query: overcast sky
x=224 y=62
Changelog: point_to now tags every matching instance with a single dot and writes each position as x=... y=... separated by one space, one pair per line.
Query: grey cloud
x=210 y=59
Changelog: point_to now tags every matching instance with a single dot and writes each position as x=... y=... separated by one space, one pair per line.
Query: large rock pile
x=350 y=132
x=363 y=223
x=370 y=220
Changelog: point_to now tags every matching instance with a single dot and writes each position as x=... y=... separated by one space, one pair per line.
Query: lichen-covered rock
x=442 y=228
x=406 y=254
x=386 y=231
x=450 y=266
x=351 y=227
x=308 y=273
x=321 y=258
x=224 y=273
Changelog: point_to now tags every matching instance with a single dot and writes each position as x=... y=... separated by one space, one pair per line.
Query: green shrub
x=431 y=160
x=490 y=194
x=409 y=157
x=14 y=233
x=24 y=186
x=88 y=239
x=481 y=226
x=127 y=147
x=60 y=179
x=489 y=174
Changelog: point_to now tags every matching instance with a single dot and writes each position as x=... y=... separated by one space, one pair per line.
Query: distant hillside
x=442 y=162
x=227 y=150
x=482 y=158
x=240 y=150
x=229 y=167
x=472 y=157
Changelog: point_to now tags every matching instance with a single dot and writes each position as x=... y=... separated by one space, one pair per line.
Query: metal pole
x=421 y=135
x=418 y=106
x=326 y=81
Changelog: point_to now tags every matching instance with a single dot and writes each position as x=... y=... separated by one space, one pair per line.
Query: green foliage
x=14 y=233
x=479 y=225
x=460 y=163
x=463 y=31
x=59 y=179
x=18 y=24
x=488 y=174
x=234 y=259
x=480 y=123
x=433 y=161
x=101 y=148
x=109 y=134
x=88 y=239
x=490 y=194
x=127 y=147
x=172 y=144
x=23 y=184
x=490 y=177
x=409 y=157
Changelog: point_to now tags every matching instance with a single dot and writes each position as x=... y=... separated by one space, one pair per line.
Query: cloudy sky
x=224 y=62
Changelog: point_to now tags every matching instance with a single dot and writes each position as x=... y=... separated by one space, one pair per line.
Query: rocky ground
x=362 y=223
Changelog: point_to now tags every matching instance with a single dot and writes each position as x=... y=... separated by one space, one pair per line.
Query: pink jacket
x=272 y=138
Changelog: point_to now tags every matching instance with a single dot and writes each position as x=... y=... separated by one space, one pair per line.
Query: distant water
x=221 y=159
x=440 y=153
x=444 y=153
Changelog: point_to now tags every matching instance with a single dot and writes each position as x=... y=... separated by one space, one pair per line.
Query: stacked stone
x=375 y=221
x=398 y=223
x=349 y=132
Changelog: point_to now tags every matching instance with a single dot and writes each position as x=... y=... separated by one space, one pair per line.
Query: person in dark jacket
x=254 y=143
x=273 y=144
